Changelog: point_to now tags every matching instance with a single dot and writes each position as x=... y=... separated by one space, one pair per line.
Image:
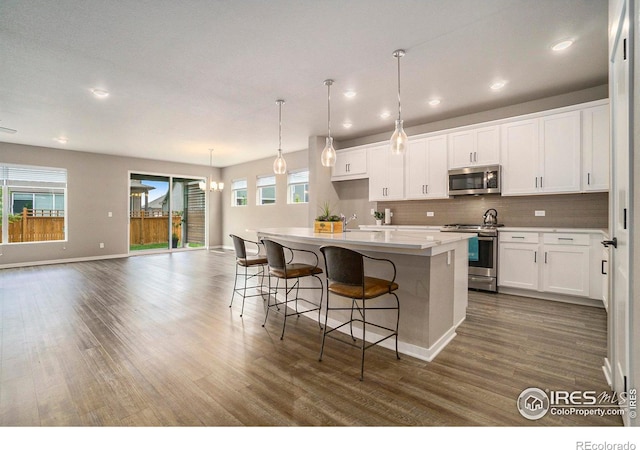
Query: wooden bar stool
x=291 y=273
x=346 y=278
x=244 y=262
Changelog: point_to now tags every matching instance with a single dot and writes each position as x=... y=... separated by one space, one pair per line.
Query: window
x=266 y=187
x=239 y=192
x=32 y=204
x=299 y=187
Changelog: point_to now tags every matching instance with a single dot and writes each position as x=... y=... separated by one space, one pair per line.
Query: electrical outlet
x=372 y=211
x=430 y=214
x=101 y=244
x=109 y=214
x=540 y=213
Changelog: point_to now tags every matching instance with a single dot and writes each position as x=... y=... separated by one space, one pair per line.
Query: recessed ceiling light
x=62 y=140
x=350 y=94
x=347 y=125
x=100 y=93
x=434 y=102
x=498 y=85
x=562 y=45
x=385 y=115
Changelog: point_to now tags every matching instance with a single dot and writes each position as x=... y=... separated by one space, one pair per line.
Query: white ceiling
x=186 y=76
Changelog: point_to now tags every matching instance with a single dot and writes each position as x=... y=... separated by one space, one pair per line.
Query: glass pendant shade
x=328 y=157
x=398 y=139
x=279 y=165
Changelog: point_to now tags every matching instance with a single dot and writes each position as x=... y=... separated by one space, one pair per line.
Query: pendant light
x=279 y=165
x=213 y=185
x=328 y=157
x=399 y=137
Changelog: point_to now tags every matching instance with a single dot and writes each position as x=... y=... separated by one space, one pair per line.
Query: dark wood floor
x=150 y=341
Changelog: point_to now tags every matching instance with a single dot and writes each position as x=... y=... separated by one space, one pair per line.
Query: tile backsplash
x=560 y=210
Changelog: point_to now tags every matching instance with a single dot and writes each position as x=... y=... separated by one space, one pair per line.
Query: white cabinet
x=351 y=164
x=386 y=174
x=426 y=168
x=474 y=147
x=518 y=260
x=566 y=262
x=541 y=155
x=595 y=149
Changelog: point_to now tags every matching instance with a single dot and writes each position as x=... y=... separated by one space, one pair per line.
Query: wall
x=97 y=184
x=244 y=220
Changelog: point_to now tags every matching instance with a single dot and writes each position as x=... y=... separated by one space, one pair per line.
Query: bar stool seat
x=291 y=273
x=247 y=260
x=345 y=272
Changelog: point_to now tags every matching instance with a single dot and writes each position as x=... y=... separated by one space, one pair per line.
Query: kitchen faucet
x=346 y=221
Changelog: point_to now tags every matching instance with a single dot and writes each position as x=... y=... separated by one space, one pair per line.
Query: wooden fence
x=146 y=227
x=35 y=225
x=151 y=227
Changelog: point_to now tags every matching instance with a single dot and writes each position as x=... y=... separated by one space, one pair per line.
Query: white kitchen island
x=432 y=272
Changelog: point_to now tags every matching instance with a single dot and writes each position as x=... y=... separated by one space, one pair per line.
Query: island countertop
x=384 y=240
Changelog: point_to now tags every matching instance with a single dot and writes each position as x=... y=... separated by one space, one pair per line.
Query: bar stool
x=246 y=261
x=346 y=278
x=288 y=271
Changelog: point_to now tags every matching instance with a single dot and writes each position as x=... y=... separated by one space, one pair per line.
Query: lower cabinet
x=555 y=263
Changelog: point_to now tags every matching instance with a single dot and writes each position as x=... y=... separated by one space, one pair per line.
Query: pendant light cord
x=398 y=56
x=280 y=126
x=329 y=106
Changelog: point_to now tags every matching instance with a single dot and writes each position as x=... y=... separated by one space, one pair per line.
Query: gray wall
x=96 y=184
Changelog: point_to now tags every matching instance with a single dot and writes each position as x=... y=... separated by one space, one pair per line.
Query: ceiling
x=187 y=76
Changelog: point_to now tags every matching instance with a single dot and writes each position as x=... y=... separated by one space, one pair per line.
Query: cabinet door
x=487 y=146
x=350 y=165
x=566 y=269
x=437 y=173
x=416 y=161
x=519 y=154
x=518 y=265
x=595 y=148
x=461 y=148
x=560 y=152
x=386 y=174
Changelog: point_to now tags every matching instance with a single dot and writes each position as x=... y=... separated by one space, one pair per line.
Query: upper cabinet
x=386 y=174
x=595 y=148
x=426 y=168
x=474 y=147
x=542 y=155
x=351 y=164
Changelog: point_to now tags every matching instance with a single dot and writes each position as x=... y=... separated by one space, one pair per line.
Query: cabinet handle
x=602 y=267
x=536 y=182
x=475 y=156
x=470 y=157
x=517 y=237
x=426 y=187
x=541 y=186
x=565 y=239
x=535 y=257
x=545 y=257
x=589 y=178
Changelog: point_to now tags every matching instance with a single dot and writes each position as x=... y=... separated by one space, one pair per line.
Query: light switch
x=109 y=214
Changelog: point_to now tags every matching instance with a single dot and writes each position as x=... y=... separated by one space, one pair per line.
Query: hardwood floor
x=151 y=341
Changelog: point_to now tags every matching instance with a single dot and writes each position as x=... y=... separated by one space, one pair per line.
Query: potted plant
x=379 y=216
x=327 y=222
x=174 y=240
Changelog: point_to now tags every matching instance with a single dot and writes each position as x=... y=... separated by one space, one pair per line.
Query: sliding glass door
x=165 y=213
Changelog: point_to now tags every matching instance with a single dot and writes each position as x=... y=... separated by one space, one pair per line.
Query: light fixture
x=213 y=185
x=498 y=85
x=350 y=94
x=279 y=165
x=384 y=115
x=399 y=137
x=328 y=157
x=100 y=93
x=562 y=45
x=62 y=139
x=434 y=102
x=347 y=125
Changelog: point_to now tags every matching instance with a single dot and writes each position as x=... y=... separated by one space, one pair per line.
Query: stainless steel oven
x=483 y=260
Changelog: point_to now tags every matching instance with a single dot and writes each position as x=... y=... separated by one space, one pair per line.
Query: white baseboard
x=62 y=261
x=551 y=296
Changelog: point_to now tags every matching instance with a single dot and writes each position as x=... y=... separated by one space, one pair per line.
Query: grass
x=161 y=245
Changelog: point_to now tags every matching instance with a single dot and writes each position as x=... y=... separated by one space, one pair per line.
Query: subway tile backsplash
x=562 y=210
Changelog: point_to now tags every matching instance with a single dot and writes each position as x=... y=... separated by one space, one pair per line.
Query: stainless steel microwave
x=475 y=180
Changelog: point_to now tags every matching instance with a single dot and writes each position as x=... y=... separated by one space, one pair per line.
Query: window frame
x=290 y=185
x=235 y=190
x=260 y=187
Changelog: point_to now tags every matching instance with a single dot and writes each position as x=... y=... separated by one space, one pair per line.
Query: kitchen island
x=432 y=269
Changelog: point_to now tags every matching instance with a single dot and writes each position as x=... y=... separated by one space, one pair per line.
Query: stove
x=483 y=254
